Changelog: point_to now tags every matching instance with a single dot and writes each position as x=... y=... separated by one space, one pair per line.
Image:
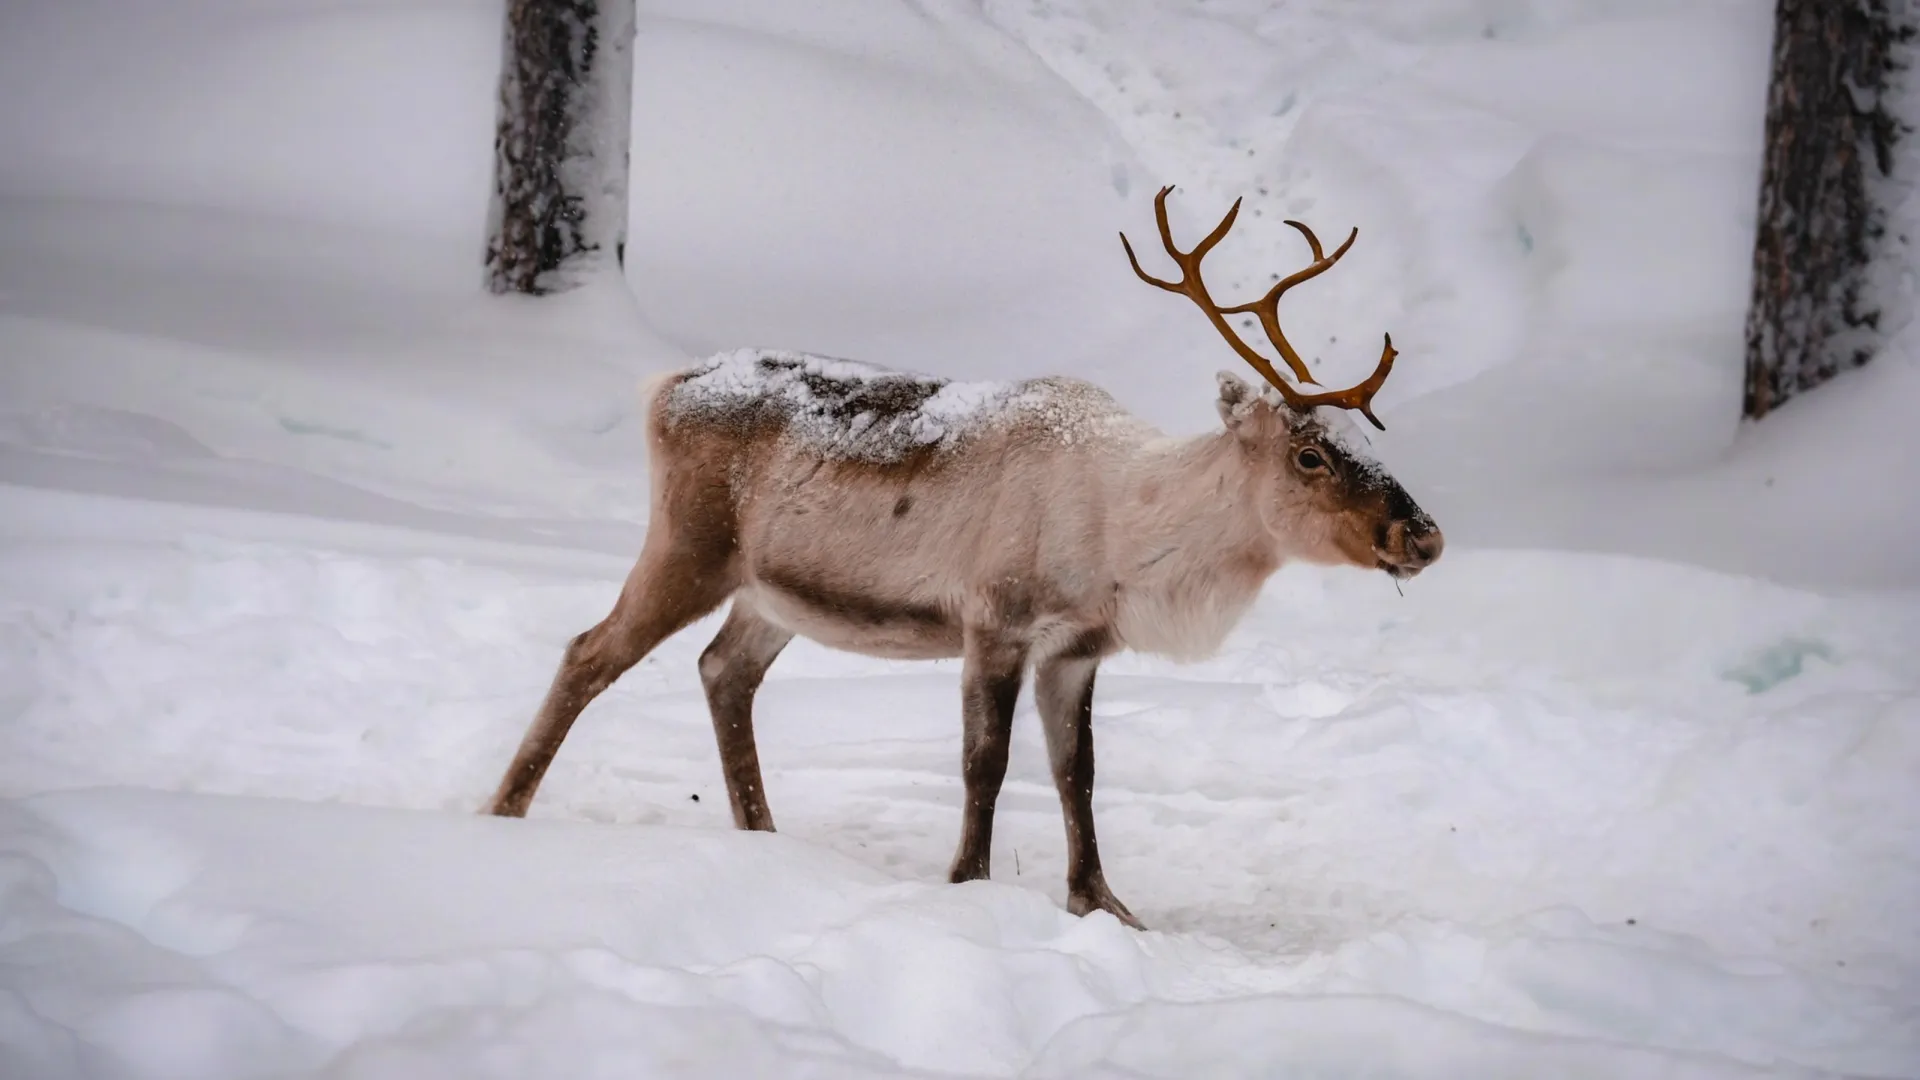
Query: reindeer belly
x=854 y=557
x=855 y=619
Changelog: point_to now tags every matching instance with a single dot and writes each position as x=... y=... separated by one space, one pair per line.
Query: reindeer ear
x=1235 y=394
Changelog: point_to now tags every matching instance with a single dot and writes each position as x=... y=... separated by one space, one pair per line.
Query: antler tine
x=1320 y=261
x=1187 y=261
x=1166 y=236
x=1358 y=397
x=1134 y=261
x=1207 y=242
x=1313 y=241
x=1267 y=308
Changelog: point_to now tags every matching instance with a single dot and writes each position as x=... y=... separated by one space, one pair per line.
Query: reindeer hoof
x=965 y=872
x=504 y=807
x=1101 y=898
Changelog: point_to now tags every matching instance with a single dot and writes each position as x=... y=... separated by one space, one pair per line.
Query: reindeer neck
x=1192 y=551
x=1194 y=495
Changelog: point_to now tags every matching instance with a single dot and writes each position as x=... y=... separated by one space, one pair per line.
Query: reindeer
x=1031 y=524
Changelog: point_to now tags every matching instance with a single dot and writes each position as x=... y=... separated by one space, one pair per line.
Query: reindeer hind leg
x=666 y=590
x=731 y=669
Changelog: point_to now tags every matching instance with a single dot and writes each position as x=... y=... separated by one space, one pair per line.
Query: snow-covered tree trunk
x=1830 y=134
x=560 y=148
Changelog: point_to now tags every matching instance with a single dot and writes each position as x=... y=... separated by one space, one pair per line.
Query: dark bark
x=1830 y=135
x=561 y=143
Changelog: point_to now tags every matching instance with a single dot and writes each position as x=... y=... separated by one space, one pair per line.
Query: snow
x=840 y=408
x=295 y=522
x=575 y=949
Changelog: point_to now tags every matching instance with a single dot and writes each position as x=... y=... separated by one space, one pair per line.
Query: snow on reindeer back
x=843 y=408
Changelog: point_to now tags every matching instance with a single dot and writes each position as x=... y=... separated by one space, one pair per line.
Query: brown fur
x=1050 y=532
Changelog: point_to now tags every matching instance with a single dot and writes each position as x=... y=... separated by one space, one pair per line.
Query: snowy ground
x=293 y=525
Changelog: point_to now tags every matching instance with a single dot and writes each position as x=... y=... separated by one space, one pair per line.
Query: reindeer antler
x=1358 y=397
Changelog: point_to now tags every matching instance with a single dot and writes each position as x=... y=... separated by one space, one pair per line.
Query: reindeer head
x=1322 y=496
x=1326 y=500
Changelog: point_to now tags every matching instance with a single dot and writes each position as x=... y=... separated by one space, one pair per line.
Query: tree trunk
x=561 y=144
x=1829 y=143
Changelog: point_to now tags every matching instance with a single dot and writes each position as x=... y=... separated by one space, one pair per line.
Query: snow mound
x=156 y=935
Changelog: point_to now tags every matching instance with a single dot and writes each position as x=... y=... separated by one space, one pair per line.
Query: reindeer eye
x=1310 y=459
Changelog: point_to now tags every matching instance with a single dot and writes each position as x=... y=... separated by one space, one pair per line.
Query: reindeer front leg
x=989 y=686
x=1063 y=688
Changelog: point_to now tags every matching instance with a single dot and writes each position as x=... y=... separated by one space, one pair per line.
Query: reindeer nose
x=1426 y=545
x=1414 y=544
